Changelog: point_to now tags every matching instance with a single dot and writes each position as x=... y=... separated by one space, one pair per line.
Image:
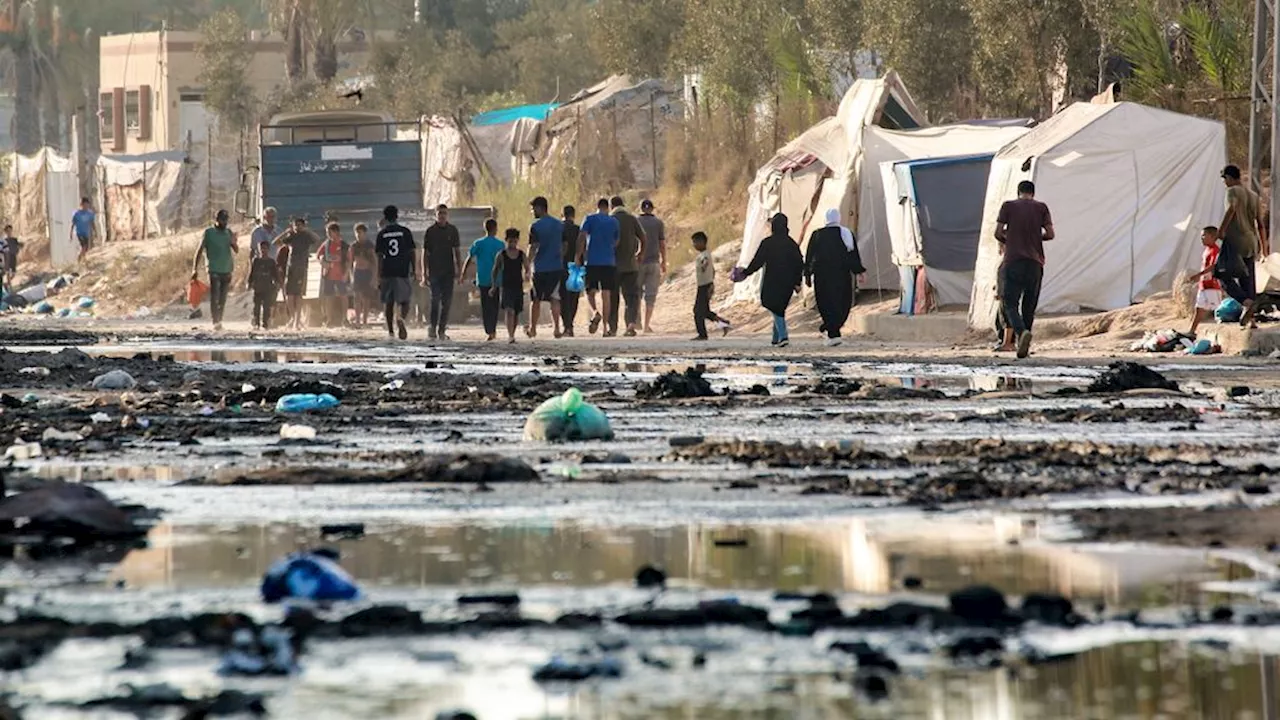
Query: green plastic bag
x=567 y=418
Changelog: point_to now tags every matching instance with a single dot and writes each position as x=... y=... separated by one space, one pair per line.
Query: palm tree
x=317 y=25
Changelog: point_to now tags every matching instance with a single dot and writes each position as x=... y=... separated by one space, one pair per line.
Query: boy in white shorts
x=1209 y=296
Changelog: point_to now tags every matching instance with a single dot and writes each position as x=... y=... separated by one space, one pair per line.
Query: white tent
x=822 y=169
x=932 y=194
x=1129 y=187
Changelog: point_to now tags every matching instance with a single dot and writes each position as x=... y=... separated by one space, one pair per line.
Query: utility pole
x=1264 y=90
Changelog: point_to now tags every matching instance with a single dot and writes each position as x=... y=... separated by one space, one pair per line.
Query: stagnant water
x=569 y=547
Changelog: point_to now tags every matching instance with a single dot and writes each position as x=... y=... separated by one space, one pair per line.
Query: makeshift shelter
x=41 y=192
x=933 y=208
x=159 y=193
x=507 y=140
x=610 y=132
x=1129 y=187
x=822 y=168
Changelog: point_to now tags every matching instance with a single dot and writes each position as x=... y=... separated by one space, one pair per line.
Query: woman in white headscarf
x=830 y=265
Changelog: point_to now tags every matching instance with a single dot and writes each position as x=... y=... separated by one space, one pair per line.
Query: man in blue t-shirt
x=546 y=240
x=598 y=247
x=484 y=252
x=82 y=226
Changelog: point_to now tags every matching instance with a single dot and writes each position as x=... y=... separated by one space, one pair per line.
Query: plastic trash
x=576 y=282
x=44 y=307
x=297 y=432
x=23 y=451
x=37 y=371
x=196 y=291
x=306 y=403
x=1229 y=311
x=64 y=313
x=30 y=398
x=271 y=653
x=567 y=417
x=1203 y=346
x=308 y=576
x=35 y=293
x=52 y=435
x=561 y=670
x=99 y=417
x=85 y=303
x=393 y=385
x=114 y=380
x=59 y=283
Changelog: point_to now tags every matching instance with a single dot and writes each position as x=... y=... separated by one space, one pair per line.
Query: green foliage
x=547 y=51
x=1221 y=44
x=929 y=43
x=644 y=49
x=224 y=63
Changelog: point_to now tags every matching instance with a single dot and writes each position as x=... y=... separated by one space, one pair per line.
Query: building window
x=132 y=111
x=106 y=110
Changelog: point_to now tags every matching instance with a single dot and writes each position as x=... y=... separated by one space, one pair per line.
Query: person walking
x=831 y=263
x=335 y=268
x=398 y=262
x=779 y=257
x=217 y=247
x=705 y=275
x=598 y=250
x=264 y=281
x=1242 y=228
x=510 y=273
x=300 y=242
x=13 y=247
x=265 y=230
x=443 y=250
x=569 y=250
x=653 y=260
x=363 y=263
x=631 y=241
x=1023 y=226
x=82 y=226
x=484 y=252
x=546 y=247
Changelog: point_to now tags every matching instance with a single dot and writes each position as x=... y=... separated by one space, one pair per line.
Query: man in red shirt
x=1209 y=296
x=1022 y=227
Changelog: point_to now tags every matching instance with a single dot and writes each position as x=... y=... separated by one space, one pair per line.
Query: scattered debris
x=673 y=385
x=297 y=432
x=114 y=380
x=69 y=510
x=313 y=575
x=301 y=403
x=1123 y=376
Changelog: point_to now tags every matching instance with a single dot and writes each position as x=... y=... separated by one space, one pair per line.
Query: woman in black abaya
x=830 y=266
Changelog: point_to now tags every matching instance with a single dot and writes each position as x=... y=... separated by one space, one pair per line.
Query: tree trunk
x=326 y=59
x=295 y=47
x=51 y=112
x=26 y=120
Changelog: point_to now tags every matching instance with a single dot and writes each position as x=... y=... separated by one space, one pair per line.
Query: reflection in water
x=838 y=556
x=1140 y=680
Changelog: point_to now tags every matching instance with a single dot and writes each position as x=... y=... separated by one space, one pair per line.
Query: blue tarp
x=511 y=114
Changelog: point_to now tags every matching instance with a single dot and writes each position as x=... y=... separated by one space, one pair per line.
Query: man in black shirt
x=569 y=300
x=301 y=243
x=397 y=264
x=443 y=248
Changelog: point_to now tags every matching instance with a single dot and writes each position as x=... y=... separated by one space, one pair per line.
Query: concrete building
x=151 y=98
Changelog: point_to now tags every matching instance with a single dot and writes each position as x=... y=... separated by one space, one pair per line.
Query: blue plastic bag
x=567 y=417
x=308 y=576
x=306 y=403
x=44 y=307
x=577 y=280
x=85 y=303
x=1229 y=311
x=1203 y=346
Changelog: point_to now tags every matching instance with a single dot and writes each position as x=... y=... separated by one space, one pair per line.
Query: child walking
x=705 y=274
x=264 y=280
x=1209 y=296
x=509 y=274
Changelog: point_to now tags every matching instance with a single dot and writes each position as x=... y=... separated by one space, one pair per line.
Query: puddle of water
x=848 y=556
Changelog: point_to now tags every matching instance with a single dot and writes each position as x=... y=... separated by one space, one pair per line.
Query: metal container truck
x=347 y=165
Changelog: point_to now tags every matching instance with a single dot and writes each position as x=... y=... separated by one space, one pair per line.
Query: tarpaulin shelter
x=1129 y=187
x=42 y=191
x=823 y=169
x=163 y=192
x=611 y=133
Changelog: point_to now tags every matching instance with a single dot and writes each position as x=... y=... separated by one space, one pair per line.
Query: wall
x=170 y=67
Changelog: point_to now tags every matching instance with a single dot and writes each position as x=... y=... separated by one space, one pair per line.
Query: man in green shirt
x=217 y=247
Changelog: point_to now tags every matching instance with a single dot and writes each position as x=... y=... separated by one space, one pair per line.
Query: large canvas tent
x=822 y=169
x=836 y=164
x=1129 y=187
